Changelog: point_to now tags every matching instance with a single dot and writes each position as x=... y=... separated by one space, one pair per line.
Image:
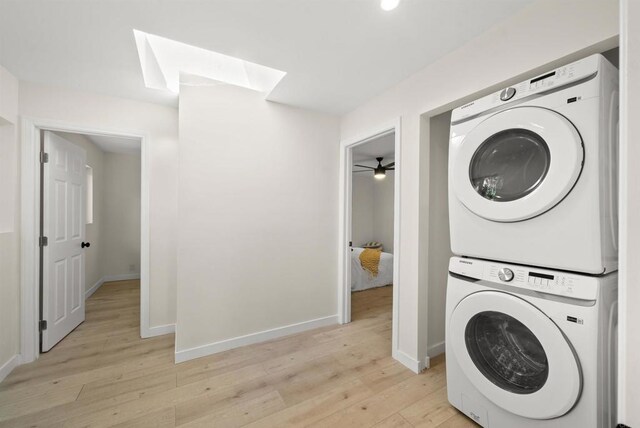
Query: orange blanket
x=370 y=259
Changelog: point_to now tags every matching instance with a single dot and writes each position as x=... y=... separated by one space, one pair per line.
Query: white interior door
x=64 y=227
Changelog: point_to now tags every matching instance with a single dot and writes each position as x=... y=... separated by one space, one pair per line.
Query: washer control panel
x=566 y=284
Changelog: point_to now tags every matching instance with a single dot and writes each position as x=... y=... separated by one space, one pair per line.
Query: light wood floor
x=103 y=374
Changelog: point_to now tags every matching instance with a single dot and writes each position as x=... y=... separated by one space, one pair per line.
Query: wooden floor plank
x=431 y=411
x=104 y=375
x=458 y=421
x=242 y=413
x=382 y=405
x=317 y=407
x=394 y=421
x=38 y=401
x=162 y=418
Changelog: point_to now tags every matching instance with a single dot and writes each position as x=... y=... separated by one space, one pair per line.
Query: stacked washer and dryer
x=532 y=295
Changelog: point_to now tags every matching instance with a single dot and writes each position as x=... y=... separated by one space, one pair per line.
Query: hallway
x=103 y=374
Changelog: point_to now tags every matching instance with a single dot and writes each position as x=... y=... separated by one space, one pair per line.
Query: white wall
x=531 y=41
x=94 y=233
x=160 y=123
x=383 y=210
x=10 y=233
x=372 y=210
x=121 y=214
x=258 y=219
x=439 y=251
x=362 y=209
x=629 y=291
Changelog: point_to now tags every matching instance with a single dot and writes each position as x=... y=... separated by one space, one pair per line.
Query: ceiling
x=337 y=53
x=367 y=153
x=123 y=145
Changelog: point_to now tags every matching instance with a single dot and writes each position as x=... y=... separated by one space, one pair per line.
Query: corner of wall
x=416 y=366
x=10 y=218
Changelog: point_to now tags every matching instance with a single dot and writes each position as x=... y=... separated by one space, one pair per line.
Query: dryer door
x=517 y=164
x=515 y=355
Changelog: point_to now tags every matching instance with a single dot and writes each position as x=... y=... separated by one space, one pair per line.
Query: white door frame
x=29 y=225
x=344 y=227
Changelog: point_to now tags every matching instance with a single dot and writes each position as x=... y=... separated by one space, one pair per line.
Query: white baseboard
x=436 y=349
x=249 y=339
x=121 y=277
x=107 y=278
x=433 y=351
x=11 y=364
x=159 y=330
x=94 y=288
x=412 y=364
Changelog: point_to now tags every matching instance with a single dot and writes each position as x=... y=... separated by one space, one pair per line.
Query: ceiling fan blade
x=363 y=170
x=364 y=166
x=390 y=165
x=390 y=169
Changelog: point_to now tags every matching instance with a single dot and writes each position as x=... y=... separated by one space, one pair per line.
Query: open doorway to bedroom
x=372 y=234
x=369 y=232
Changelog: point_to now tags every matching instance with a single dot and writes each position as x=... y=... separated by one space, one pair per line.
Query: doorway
x=372 y=196
x=32 y=180
x=369 y=228
x=89 y=225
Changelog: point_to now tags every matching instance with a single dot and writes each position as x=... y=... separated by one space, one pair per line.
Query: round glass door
x=516 y=164
x=514 y=355
x=507 y=352
x=509 y=165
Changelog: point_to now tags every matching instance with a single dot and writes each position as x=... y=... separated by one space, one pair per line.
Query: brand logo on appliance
x=466 y=262
x=467 y=105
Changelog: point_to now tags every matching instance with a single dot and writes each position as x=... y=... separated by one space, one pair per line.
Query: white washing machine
x=533 y=171
x=529 y=347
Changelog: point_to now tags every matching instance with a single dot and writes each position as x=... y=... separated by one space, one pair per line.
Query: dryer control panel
x=546 y=82
x=575 y=286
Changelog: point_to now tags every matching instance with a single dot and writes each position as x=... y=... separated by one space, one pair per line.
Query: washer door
x=515 y=355
x=517 y=164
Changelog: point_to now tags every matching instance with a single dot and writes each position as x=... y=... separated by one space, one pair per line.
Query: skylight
x=162 y=60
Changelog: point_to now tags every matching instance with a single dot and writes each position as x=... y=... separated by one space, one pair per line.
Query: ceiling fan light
x=379 y=173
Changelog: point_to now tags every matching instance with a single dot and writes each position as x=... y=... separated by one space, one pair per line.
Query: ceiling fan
x=379 y=171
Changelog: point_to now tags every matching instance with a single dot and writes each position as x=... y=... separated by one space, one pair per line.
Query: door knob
x=85 y=244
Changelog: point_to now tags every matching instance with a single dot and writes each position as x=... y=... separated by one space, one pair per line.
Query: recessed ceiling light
x=389 y=4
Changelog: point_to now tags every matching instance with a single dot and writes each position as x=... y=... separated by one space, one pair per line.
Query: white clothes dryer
x=528 y=347
x=533 y=171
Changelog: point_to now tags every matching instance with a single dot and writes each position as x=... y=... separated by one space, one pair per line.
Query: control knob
x=507 y=94
x=505 y=274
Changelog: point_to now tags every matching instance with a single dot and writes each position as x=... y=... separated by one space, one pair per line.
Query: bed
x=362 y=279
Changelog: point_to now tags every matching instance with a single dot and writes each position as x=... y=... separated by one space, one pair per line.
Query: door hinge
x=43 y=241
x=44 y=157
x=42 y=325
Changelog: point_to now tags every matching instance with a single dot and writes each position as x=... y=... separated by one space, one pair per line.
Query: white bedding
x=362 y=279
